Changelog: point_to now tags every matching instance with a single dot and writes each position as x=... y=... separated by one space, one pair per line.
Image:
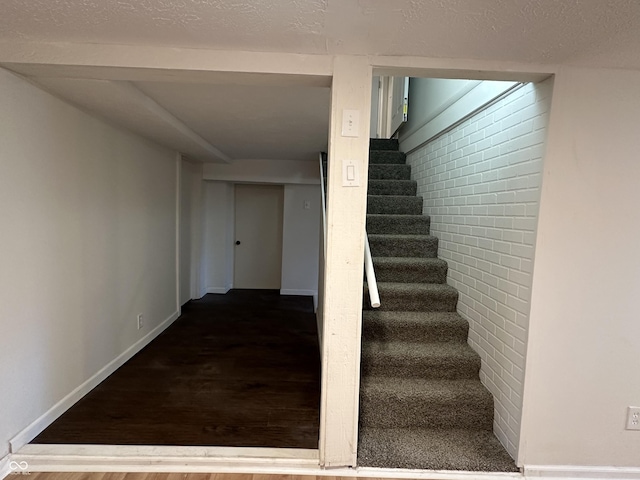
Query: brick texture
x=481 y=184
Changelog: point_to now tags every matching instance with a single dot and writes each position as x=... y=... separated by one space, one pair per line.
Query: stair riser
x=412 y=327
x=394 y=205
x=378 y=331
x=425 y=247
x=389 y=172
x=410 y=273
x=426 y=368
x=413 y=302
x=383 y=144
x=470 y=412
x=388 y=187
x=378 y=157
x=398 y=225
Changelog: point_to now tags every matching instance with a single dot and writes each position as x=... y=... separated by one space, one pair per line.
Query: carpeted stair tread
x=394 y=205
x=422 y=404
x=393 y=402
x=384 y=144
x=387 y=156
x=398 y=224
x=433 y=449
x=420 y=360
x=392 y=187
x=389 y=172
x=403 y=245
x=415 y=297
x=424 y=327
x=410 y=269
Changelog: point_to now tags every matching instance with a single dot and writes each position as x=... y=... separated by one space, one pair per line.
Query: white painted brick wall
x=481 y=184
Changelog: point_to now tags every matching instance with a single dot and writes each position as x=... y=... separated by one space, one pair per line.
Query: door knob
x=237 y=242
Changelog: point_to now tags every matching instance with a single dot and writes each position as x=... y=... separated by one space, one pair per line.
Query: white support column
x=343 y=280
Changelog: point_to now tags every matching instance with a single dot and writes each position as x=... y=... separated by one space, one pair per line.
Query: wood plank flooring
x=240 y=369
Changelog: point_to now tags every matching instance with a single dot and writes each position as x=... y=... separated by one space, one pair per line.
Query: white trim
x=434 y=474
x=293 y=291
x=4 y=466
x=580 y=472
x=178 y=226
x=222 y=290
x=127 y=458
x=38 y=425
x=130 y=458
x=114 y=458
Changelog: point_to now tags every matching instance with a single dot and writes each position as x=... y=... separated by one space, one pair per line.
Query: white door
x=399 y=102
x=258 y=230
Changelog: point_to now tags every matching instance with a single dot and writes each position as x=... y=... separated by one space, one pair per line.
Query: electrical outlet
x=140 y=324
x=633 y=418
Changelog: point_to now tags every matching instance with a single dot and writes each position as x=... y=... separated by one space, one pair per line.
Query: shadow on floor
x=240 y=369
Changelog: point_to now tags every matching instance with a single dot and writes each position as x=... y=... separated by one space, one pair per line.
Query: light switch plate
x=350 y=174
x=350 y=123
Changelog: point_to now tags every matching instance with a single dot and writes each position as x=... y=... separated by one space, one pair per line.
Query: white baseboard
x=291 y=291
x=218 y=289
x=37 y=426
x=580 y=472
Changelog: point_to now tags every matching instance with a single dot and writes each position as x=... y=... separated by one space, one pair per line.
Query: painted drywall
x=265 y=171
x=300 y=238
x=190 y=228
x=481 y=184
x=300 y=248
x=88 y=215
x=217 y=246
x=436 y=105
x=429 y=97
x=583 y=353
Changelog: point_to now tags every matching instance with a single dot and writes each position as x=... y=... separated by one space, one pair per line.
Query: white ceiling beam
x=140 y=100
x=170 y=64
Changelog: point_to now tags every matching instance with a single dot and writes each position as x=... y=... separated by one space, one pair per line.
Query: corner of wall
x=47 y=418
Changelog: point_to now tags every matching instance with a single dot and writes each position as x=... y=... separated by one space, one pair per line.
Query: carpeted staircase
x=421 y=401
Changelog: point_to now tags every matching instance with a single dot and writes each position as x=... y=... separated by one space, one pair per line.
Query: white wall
x=218 y=237
x=429 y=97
x=436 y=104
x=583 y=357
x=481 y=184
x=88 y=216
x=190 y=228
x=300 y=240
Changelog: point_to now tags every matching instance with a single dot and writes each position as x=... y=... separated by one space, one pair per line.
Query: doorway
x=258 y=242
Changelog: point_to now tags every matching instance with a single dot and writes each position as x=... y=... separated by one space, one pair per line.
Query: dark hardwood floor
x=240 y=369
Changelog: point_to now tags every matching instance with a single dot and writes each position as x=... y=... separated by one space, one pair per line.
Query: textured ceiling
x=289 y=120
x=541 y=31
